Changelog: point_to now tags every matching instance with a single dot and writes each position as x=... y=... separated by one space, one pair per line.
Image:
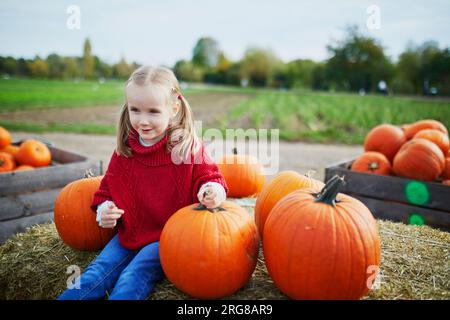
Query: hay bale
x=414 y=265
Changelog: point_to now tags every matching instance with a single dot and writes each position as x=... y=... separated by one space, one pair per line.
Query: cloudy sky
x=162 y=32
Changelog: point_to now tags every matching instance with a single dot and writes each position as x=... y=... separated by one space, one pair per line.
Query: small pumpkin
x=74 y=218
x=386 y=139
x=282 y=184
x=322 y=245
x=372 y=162
x=437 y=137
x=209 y=254
x=11 y=149
x=7 y=162
x=446 y=172
x=5 y=137
x=411 y=129
x=243 y=174
x=34 y=153
x=419 y=159
x=24 y=167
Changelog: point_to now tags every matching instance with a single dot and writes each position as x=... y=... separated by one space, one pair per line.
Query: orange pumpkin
x=322 y=245
x=24 y=167
x=209 y=254
x=386 y=139
x=281 y=185
x=74 y=218
x=5 y=137
x=7 y=162
x=243 y=174
x=34 y=153
x=419 y=159
x=435 y=136
x=446 y=172
x=411 y=129
x=11 y=149
x=372 y=162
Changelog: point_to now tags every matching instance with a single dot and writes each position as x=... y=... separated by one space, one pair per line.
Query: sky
x=162 y=32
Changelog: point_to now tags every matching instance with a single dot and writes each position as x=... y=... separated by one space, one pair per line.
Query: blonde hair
x=182 y=137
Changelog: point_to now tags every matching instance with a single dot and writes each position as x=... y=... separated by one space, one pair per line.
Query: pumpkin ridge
x=291 y=242
x=177 y=253
x=361 y=238
x=334 y=237
x=351 y=244
x=318 y=218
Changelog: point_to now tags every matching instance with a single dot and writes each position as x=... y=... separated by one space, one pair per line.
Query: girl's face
x=149 y=115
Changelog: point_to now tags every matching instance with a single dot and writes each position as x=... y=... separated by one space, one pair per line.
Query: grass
x=299 y=115
x=322 y=117
x=88 y=128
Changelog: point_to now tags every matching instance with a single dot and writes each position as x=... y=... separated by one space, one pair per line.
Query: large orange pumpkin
x=372 y=162
x=419 y=159
x=281 y=185
x=7 y=162
x=34 y=153
x=74 y=218
x=437 y=137
x=243 y=174
x=386 y=139
x=5 y=137
x=321 y=245
x=411 y=129
x=209 y=253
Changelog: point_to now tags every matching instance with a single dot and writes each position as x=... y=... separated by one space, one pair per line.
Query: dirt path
x=210 y=107
x=298 y=156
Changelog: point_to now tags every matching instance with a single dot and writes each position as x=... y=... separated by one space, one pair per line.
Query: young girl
x=158 y=167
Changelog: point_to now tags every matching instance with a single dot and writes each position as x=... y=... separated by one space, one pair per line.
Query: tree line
x=357 y=63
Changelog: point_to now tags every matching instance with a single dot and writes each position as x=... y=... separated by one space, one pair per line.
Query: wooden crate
x=28 y=197
x=396 y=198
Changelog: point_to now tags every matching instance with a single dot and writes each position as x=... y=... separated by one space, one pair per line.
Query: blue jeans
x=130 y=274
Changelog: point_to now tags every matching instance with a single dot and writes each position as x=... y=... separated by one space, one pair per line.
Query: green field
x=300 y=115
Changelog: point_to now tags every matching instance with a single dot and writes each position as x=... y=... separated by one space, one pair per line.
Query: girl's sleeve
x=206 y=171
x=103 y=194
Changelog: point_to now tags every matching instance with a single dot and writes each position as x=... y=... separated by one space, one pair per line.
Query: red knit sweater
x=149 y=187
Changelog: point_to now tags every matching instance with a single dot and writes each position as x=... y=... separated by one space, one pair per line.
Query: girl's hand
x=110 y=215
x=209 y=196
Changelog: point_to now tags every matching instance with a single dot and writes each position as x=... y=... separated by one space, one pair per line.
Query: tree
x=38 y=68
x=88 y=60
x=206 y=53
x=258 y=65
x=187 y=71
x=56 y=66
x=358 y=62
x=299 y=73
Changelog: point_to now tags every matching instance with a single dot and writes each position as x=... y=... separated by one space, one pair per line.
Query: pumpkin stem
x=373 y=166
x=88 y=173
x=310 y=173
x=329 y=192
x=202 y=207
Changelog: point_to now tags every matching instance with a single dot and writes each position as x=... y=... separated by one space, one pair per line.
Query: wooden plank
x=9 y=228
x=424 y=194
x=400 y=212
x=47 y=177
x=12 y=207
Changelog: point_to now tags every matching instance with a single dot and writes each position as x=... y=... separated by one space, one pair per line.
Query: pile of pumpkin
x=419 y=151
x=317 y=242
x=28 y=155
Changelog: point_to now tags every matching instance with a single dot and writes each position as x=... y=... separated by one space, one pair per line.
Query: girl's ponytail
x=183 y=140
